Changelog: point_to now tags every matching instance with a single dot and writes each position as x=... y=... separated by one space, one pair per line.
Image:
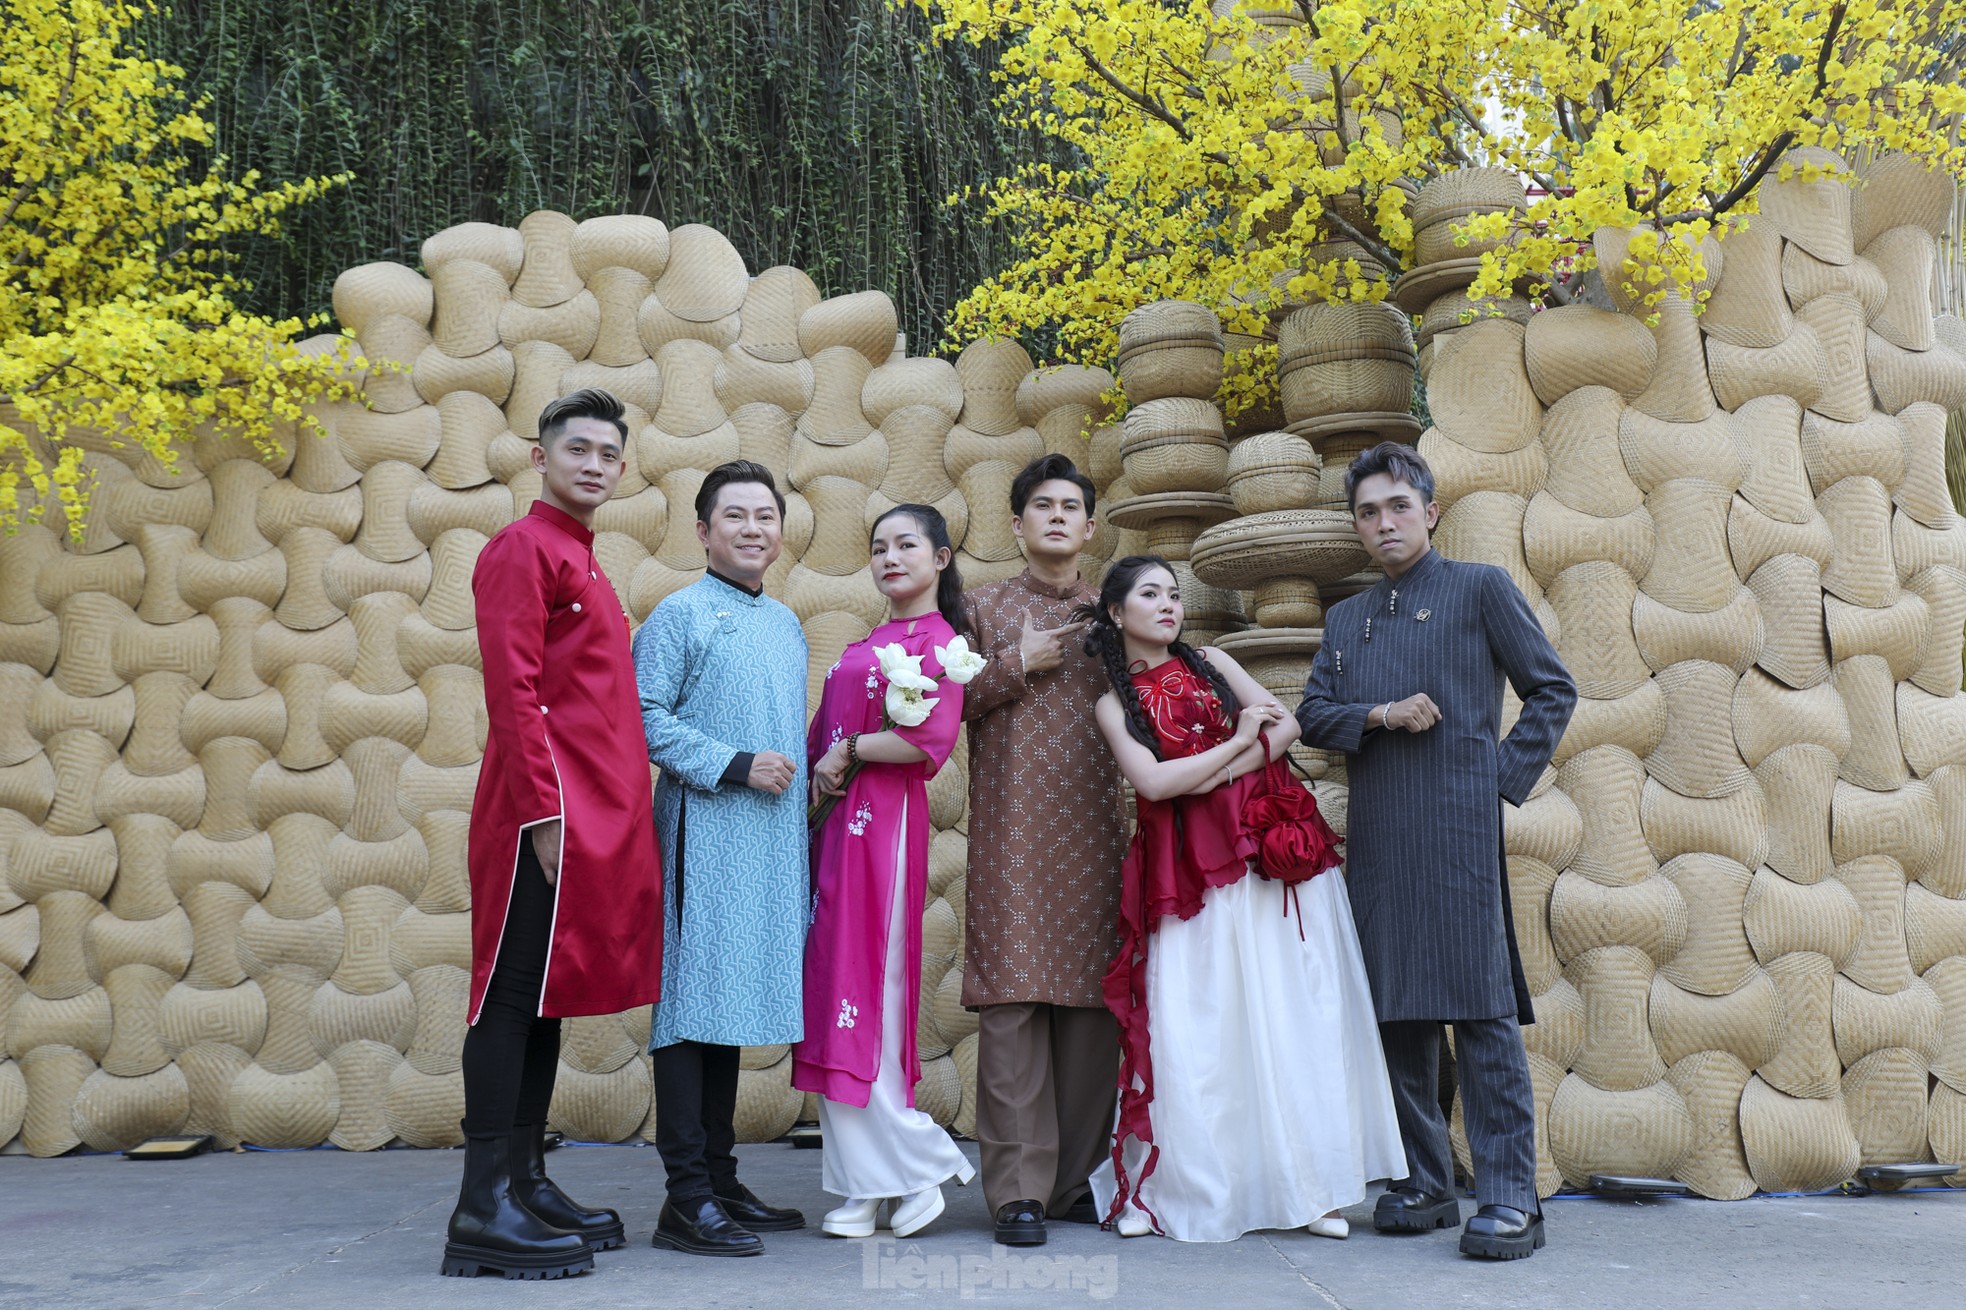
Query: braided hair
x=1106 y=643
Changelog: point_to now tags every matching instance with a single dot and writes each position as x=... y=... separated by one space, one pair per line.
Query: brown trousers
x=1046 y=1079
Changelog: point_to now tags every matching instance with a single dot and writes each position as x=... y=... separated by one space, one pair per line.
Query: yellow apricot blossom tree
x=1250 y=155
x=117 y=326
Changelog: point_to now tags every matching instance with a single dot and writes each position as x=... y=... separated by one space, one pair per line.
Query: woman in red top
x=1253 y=1089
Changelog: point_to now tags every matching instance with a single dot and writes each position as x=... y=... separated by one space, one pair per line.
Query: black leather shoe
x=1410 y=1210
x=1020 y=1223
x=1502 y=1232
x=743 y=1206
x=1081 y=1211
x=539 y=1194
x=700 y=1227
x=492 y=1233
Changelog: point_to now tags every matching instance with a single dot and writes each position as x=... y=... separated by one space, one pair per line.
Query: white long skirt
x=1271 y=1103
x=887 y=1148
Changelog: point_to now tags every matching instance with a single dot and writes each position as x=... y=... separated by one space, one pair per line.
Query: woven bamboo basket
x=1345 y=358
x=1451 y=199
x=1175 y=444
x=1170 y=348
x=1273 y=471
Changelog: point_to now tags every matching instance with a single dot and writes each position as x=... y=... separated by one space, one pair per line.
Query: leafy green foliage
x=821 y=133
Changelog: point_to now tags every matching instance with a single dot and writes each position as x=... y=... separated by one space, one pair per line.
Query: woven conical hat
x=1731 y=635
x=469 y=295
x=1745 y=1022
x=547 y=276
x=1617 y=1054
x=864 y=322
x=1858 y=511
x=1690 y=568
x=1903 y=378
x=368 y=292
x=1879 y=961
x=1556 y=537
x=1906 y=256
x=424 y=1109
x=1710 y=1082
x=705 y=279
x=573 y=325
x=1815 y=215
x=1749 y=308
x=633 y=241
x=989 y=374
x=1793 y=368
x=1698 y=756
x=1649 y=915
x=744 y=379
x=1797 y=780
x=1899 y=190
x=1593 y=603
x=1896 y=632
x=1063 y=386
x=1715 y=958
x=1937 y=672
x=620 y=292
x=1884 y=1095
x=500 y=248
x=773 y=305
x=659 y=325
x=1606 y=785
x=931 y=382
x=1575 y=346
x=1806 y=1064
x=1459 y=471
x=1789 y=591
x=1680 y=390
x=1658 y=451
x=1481 y=395
x=1806 y=278
x=392 y=342
x=437 y=374
x=1733 y=827
x=1586 y=471
x=1838 y=322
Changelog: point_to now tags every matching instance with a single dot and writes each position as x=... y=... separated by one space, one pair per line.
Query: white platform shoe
x=854 y=1219
x=1331 y=1225
x=916 y=1211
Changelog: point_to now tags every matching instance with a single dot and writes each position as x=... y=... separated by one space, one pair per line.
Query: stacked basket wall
x=1741 y=891
x=240 y=724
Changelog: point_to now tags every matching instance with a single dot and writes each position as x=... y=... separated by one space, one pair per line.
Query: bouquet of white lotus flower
x=907 y=703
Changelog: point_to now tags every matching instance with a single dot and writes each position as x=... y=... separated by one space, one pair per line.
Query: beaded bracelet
x=853 y=748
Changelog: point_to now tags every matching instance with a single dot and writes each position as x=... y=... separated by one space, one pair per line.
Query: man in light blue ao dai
x=722 y=672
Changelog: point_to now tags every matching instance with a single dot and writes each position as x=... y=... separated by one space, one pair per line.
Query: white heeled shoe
x=916 y=1211
x=854 y=1219
x=1133 y=1222
x=1331 y=1225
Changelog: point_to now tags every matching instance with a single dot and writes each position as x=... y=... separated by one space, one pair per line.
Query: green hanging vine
x=820 y=133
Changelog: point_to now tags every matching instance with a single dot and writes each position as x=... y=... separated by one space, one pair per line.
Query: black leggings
x=511 y=1055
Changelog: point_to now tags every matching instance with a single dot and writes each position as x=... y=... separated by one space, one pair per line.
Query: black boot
x=491 y=1231
x=1502 y=1232
x=1405 y=1209
x=1020 y=1223
x=741 y=1204
x=539 y=1194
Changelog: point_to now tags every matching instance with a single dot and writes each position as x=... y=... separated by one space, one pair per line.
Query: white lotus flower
x=959 y=663
x=902 y=669
x=907 y=707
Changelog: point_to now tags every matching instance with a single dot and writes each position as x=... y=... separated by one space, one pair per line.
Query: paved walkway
x=365 y=1232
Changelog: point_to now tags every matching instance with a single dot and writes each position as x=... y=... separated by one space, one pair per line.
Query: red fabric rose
x=1294 y=843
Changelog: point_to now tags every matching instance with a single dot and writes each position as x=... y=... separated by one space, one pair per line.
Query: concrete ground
x=328 y=1229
